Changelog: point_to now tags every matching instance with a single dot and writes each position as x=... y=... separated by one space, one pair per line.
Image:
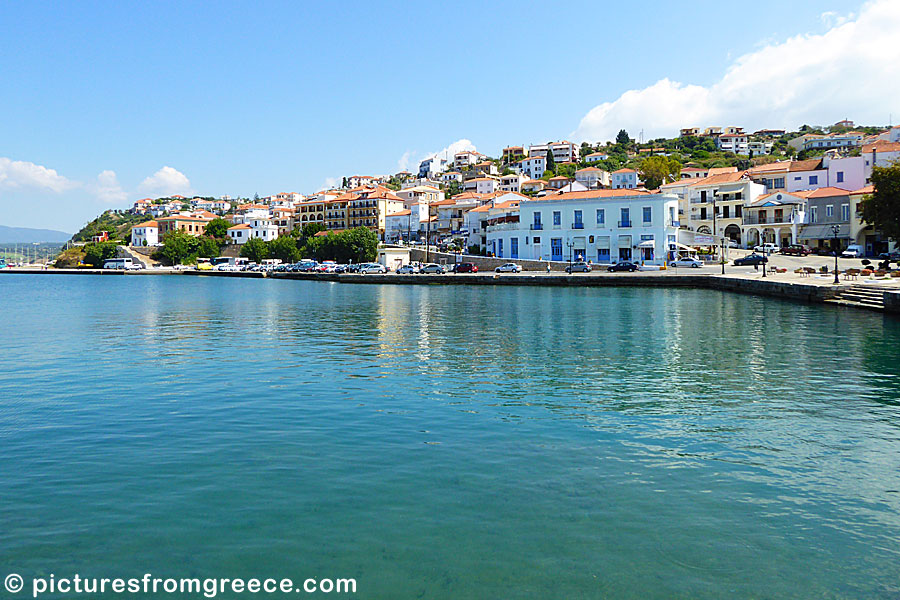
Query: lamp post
x=835 y=229
x=571 y=245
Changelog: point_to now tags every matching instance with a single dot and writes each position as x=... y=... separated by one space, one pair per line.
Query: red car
x=466 y=268
x=796 y=249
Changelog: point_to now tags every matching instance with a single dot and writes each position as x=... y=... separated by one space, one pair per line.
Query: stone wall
x=484 y=263
x=892 y=302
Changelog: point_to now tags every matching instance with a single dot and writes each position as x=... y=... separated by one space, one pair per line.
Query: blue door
x=556 y=252
x=514 y=247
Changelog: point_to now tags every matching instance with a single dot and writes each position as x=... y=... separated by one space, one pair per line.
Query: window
x=845 y=212
x=557 y=218
x=648 y=214
x=601 y=216
x=536 y=240
x=813 y=180
x=814 y=214
x=537 y=221
x=626 y=218
x=579 y=223
x=738 y=210
x=840 y=177
x=725 y=211
x=829 y=210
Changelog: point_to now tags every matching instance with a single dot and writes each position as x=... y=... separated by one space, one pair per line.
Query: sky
x=104 y=103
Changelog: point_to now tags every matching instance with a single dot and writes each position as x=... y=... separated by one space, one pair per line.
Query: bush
x=96 y=254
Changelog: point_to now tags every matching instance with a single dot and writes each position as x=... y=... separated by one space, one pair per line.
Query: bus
x=126 y=264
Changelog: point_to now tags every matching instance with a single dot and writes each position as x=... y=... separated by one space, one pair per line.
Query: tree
x=882 y=208
x=284 y=248
x=551 y=163
x=344 y=183
x=208 y=247
x=622 y=138
x=217 y=228
x=256 y=250
x=658 y=170
x=96 y=254
x=177 y=247
x=311 y=229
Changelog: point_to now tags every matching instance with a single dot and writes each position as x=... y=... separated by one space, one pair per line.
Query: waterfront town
x=561 y=201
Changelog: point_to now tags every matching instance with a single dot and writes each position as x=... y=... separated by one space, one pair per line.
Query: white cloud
x=330 y=183
x=167 y=181
x=22 y=174
x=846 y=72
x=107 y=188
x=403 y=161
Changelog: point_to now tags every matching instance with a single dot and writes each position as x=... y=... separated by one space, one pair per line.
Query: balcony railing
x=753 y=220
x=536 y=227
x=624 y=223
x=577 y=225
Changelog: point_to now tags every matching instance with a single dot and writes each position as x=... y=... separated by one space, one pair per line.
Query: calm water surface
x=449 y=442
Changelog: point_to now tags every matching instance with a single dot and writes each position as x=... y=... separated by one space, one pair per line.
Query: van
x=853 y=251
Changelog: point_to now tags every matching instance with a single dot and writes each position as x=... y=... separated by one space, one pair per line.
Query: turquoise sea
x=449 y=441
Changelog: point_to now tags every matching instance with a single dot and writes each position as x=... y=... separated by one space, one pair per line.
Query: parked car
x=796 y=250
x=579 y=267
x=733 y=244
x=853 y=251
x=509 y=268
x=893 y=256
x=686 y=262
x=624 y=265
x=767 y=248
x=466 y=267
x=408 y=269
x=751 y=260
x=433 y=268
x=353 y=268
x=366 y=268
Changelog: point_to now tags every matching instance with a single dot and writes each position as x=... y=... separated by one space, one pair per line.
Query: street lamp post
x=570 y=245
x=835 y=229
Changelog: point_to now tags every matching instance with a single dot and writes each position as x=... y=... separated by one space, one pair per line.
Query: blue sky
x=266 y=97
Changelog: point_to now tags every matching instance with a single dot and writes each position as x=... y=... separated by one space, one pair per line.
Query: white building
x=879 y=154
x=501 y=207
x=599 y=225
x=723 y=195
x=483 y=185
x=402 y=225
x=533 y=167
x=626 y=179
x=592 y=177
x=512 y=182
x=451 y=176
x=145 y=234
x=596 y=156
x=466 y=158
x=564 y=151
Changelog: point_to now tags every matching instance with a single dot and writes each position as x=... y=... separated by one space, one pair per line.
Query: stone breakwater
x=770 y=287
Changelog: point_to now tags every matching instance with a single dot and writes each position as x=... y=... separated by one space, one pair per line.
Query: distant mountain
x=27 y=235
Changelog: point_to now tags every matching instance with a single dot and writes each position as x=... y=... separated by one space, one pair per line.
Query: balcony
x=577 y=225
x=785 y=220
x=537 y=227
x=624 y=223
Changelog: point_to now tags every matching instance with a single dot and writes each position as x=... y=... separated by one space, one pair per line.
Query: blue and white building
x=602 y=226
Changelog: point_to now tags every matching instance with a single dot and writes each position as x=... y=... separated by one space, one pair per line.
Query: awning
x=684 y=246
x=823 y=232
x=647 y=244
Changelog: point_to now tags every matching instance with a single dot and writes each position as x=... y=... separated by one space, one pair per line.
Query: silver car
x=372 y=268
x=433 y=268
x=509 y=268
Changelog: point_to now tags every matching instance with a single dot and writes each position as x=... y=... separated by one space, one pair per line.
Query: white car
x=767 y=248
x=509 y=268
x=853 y=251
x=372 y=268
x=410 y=269
x=686 y=262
